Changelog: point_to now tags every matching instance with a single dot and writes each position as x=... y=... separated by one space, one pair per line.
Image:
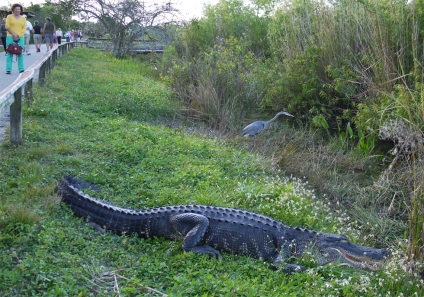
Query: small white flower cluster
x=290 y=200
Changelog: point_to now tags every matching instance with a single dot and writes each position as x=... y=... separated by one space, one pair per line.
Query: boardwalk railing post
x=54 y=58
x=50 y=64
x=16 y=118
x=28 y=91
x=42 y=74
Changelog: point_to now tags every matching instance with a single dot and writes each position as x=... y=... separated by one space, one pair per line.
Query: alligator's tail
x=77 y=183
x=70 y=189
x=111 y=217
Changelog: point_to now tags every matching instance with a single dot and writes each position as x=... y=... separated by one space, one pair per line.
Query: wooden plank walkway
x=7 y=80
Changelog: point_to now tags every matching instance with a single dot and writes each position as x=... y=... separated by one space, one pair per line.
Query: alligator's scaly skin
x=210 y=229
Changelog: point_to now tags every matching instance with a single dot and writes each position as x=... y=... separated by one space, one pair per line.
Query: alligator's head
x=327 y=248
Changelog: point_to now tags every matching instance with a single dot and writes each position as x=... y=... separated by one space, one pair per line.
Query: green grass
x=102 y=120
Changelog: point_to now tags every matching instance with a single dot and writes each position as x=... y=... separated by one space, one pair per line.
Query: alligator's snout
x=386 y=253
x=377 y=254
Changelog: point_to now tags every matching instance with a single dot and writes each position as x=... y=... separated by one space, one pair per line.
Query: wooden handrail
x=22 y=87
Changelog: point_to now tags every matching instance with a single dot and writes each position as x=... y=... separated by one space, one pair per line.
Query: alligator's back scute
x=244 y=239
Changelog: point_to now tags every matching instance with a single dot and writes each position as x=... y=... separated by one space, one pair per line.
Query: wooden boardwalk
x=16 y=86
x=7 y=79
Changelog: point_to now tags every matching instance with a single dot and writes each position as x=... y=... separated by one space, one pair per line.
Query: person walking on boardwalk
x=49 y=31
x=3 y=34
x=16 y=27
x=37 y=36
x=29 y=28
x=59 y=35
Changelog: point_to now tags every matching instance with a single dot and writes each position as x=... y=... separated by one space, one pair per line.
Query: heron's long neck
x=273 y=119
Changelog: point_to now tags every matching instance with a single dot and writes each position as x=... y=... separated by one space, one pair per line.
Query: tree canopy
x=123 y=20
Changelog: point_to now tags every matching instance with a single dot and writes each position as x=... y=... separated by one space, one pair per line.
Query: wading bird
x=256 y=127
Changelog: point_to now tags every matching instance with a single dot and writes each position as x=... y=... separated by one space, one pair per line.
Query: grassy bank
x=108 y=122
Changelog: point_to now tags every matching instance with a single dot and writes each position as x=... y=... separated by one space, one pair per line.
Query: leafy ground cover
x=101 y=119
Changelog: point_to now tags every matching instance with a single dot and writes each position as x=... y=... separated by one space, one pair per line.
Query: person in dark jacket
x=38 y=37
x=49 y=32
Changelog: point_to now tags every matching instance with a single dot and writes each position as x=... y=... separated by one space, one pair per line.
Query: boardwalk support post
x=28 y=91
x=16 y=118
x=42 y=74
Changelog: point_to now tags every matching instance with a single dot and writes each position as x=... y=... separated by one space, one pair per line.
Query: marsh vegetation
x=165 y=131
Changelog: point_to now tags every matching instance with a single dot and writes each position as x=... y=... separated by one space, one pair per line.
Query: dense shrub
x=213 y=64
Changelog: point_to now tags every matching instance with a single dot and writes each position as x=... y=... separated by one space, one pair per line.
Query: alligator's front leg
x=193 y=227
x=280 y=264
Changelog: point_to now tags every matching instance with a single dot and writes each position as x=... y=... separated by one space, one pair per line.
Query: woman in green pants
x=15 y=26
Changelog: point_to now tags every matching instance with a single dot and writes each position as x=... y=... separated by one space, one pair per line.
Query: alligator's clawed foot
x=97 y=227
x=289 y=268
x=208 y=250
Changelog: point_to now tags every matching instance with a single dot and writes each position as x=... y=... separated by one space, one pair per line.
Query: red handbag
x=14 y=48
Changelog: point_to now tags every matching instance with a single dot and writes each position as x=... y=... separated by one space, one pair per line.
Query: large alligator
x=210 y=229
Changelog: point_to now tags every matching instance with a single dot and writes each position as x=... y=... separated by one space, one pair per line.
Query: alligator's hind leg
x=193 y=227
